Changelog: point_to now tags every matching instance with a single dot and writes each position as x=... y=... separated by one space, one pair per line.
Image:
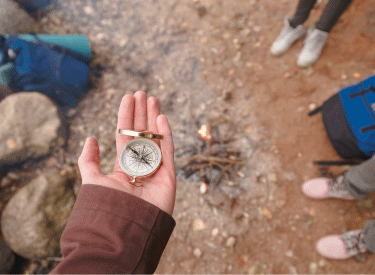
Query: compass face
x=140 y=157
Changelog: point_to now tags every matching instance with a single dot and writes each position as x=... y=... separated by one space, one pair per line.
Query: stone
x=7 y=257
x=34 y=218
x=30 y=127
x=231 y=241
x=313 y=268
x=5 y=182
x=272 y=177
x=197 y=252
x=14 y=20
x=198 y=225
x=289 y=253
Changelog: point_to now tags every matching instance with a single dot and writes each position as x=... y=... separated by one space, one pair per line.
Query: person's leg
x=331 y=14
x=302 y=13
x=360 y=179
x=369 y=235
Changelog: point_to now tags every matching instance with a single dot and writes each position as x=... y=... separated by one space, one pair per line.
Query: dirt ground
x=208 y=61
x=275 y=94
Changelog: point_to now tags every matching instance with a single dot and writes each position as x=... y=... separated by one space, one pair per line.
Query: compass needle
x=140 y=157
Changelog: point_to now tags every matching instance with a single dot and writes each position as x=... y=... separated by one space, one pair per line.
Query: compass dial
x=140 y=157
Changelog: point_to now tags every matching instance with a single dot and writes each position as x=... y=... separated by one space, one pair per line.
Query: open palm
x=135 y=113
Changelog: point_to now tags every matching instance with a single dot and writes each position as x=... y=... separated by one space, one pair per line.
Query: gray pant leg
x=360 y=179
x=369 y=235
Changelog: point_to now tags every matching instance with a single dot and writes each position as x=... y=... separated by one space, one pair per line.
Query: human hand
x=134 y=114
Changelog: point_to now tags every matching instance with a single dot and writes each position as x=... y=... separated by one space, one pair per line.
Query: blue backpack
x=57 y=72
x=349 y=119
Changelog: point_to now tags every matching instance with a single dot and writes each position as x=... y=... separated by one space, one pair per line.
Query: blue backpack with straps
x=57 y=72
x=349 y=119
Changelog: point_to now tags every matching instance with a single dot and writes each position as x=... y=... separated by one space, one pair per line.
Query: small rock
x=309 y=71
x=215 y=231
x=266 y=213
x=313 y=268
x=231 y=241
x=289 y=253
x=203 y=188
x=254 y=269
x=5 y=182
x=202 y=10
x=245 y=32
x=289 y=176
x=344 y=76
x=197 y=252
x=357 y=75
x=322 y=263
x=88 y=10
x=239 y=82
x=293 y=270
x=227 y=95
x=31 y=268
x=312 y=106
x=13 y=176
x=198 y=225
x=272 y=177
x=242 y=175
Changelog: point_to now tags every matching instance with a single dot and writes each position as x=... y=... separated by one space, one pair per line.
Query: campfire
x=210 y=158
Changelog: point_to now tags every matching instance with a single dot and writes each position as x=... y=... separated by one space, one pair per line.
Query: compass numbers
x=141 y=158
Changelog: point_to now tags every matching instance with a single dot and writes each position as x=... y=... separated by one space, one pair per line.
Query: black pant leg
x=302 y=13
x=332 y=13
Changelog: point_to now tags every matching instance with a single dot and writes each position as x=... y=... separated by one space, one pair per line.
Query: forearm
x=110 y=231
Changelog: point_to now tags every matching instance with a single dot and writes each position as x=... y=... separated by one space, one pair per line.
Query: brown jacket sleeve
x=110 y=231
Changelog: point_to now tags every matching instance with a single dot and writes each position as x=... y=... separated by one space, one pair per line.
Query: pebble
x=312 y=106
x=198 y=225
x=197 y=252
x=289 y=253
x=313 y=268
x=13 y=176
x=272 y=177
x=309 y=71
x=215 y=231
x=322 y=263
x=88 y=10
x=293 y=270
x=289 y=176
x=5 y=182
x=203 y=188
x=231 y=241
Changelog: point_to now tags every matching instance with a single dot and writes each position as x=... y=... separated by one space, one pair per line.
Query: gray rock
x=34 y=218
x=30 y=127
x=15 y=20
x=7 y=257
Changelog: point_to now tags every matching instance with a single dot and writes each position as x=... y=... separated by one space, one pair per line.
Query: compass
x=140 y=157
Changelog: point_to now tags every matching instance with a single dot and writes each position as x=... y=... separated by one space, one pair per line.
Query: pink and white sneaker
x=343 y=246
x=324 y=188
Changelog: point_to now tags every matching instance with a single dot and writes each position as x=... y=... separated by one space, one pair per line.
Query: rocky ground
x=208 y=62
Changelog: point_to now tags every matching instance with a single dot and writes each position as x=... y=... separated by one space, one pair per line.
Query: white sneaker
x=312 y=47
x=287 y=37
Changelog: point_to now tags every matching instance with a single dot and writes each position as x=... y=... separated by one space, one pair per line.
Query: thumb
x=89 y=161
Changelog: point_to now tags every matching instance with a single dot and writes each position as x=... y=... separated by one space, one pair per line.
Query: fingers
x=140 y=116
x=152 y=114
x=125 y=121
x=166 y=144
x=89 y=161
